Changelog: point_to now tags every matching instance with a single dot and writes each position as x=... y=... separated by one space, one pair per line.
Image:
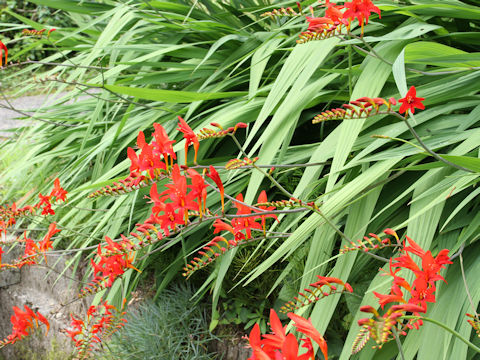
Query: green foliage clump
x=173 y=327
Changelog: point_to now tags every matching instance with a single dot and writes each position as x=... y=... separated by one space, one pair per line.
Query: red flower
x=23 y=321
x=114 y=260
x=58 y=191
x=275 y=340
x=244 y=223
x=256 y=345
x=360 y=9
x=219 y=225
x=3 y=49
x=170 y=218
x=280 y=346
x=306 y=327
x=422 y=292
x=318 y=23
x=411 y=101
x=162 y=144
x=213 y=174
x=262 y=198
x=190 y=138
x=46 y=244
x=44 y=199
x=333 y=12
x=199 y=189
x=387 y=299
x=135 y=162
x=177 y=193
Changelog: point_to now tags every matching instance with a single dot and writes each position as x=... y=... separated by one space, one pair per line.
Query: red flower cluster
x=172 y=206
x=8 y=214
x=57 y=194
x=22 y=323
x=365 y=107
x=279 y=345
x=32 y=249
x=100 y=323
x=421 y=291
x=240 y=227
x=115 y=259
x=336 y=16
x=154 y=157
x=361 y=10
x=150 y=157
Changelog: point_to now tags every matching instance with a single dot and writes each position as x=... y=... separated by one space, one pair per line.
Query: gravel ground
x=22 y=103
x=25 y=103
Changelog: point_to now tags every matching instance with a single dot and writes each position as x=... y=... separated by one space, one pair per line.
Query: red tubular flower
x=360 y=9
x=177 y=193
x=318 y=23
x=411 y=101
x=162 y=144
x=23 y=321
x=275 y=340
x=306 y=327
x=114 y=260
x=387 y=299
x=57 y=191
x=213 y=174
x=219 y=226
x=280 y=346
x=3 y=49
x=244 y=223
x=256 y=345
x=199 y=189
x=190 y=138
x=134 y=161
x=46 y=244
x=262 y=198
x=333 y=12
x=169 y=219
x=290 y=348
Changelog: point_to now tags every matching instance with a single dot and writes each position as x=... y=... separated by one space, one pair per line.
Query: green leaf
x=171 y=96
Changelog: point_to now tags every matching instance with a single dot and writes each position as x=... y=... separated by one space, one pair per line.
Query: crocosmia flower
x=411 y=101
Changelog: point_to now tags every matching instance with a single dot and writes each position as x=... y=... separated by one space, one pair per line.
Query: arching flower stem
x=445 y=327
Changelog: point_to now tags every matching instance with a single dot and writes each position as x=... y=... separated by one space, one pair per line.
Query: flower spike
x=316 y=291
x=282 y=12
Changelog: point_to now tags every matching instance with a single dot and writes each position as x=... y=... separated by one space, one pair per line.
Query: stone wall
x=45 y=291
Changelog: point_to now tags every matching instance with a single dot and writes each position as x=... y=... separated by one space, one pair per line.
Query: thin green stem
x=445 y=327
x=425 y=147
x=399 y=343
x=466 y=286
x=349 y=47
x=373 y=53
x=290 y=195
